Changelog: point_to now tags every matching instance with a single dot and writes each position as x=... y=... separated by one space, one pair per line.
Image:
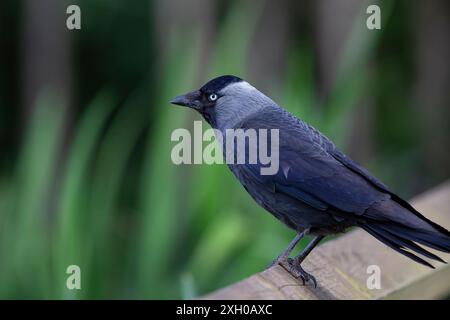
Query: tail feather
x=404 y=242
x=405 y=219
x=398 y=225
x=441 y=230
x=394 y=245
x=430 y=239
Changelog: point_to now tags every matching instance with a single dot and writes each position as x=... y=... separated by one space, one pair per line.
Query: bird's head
x=224 y=101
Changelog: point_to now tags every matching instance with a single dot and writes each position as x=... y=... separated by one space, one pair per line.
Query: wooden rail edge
x=341 y=267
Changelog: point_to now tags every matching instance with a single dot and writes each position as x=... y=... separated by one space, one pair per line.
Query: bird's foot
x=298 y=272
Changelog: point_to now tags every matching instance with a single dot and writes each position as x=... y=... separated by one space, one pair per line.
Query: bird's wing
x=312 y=169
x=331 y=149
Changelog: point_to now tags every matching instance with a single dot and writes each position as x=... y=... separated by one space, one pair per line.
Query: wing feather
x=309 y=172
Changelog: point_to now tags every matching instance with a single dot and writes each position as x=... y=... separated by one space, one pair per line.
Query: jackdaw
x=317 y=190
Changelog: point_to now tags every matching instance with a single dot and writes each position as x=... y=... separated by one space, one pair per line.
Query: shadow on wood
x=341 y=267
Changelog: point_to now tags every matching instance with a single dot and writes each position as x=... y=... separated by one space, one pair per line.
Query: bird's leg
x=285 y=254
x=294 y=267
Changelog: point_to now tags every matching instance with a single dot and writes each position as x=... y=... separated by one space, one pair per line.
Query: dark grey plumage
x=318 y=188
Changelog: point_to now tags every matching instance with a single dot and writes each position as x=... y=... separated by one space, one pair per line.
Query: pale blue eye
x=212 y=97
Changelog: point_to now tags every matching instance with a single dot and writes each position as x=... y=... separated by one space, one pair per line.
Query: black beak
x=191 y=100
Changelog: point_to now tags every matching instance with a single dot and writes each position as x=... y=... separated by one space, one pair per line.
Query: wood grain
x=340 y=267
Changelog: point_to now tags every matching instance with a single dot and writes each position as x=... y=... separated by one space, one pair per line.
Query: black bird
x=318 y=189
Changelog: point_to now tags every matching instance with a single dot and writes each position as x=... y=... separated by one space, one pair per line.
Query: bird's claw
x=298 y=272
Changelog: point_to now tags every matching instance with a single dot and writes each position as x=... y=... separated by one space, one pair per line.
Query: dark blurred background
x=85 y=170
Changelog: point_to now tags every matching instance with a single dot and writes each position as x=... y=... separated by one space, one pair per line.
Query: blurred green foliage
x=112 y=202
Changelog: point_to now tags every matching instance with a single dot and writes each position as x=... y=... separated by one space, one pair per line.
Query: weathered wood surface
x=340 y=267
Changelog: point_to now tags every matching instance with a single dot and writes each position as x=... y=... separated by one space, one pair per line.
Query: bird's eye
x=212 y=97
